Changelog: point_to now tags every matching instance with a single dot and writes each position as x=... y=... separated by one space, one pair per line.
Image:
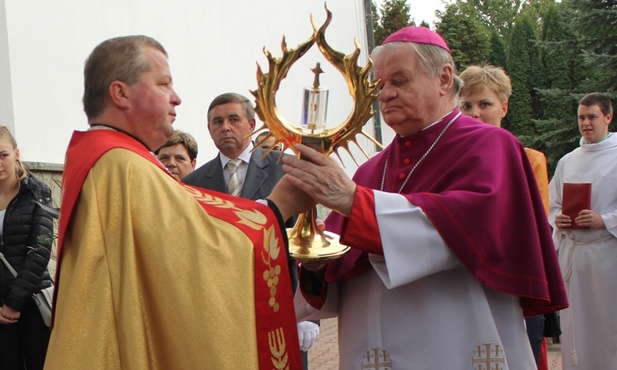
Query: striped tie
x=234 y=186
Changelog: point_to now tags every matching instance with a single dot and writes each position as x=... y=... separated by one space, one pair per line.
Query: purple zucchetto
x=420 y=35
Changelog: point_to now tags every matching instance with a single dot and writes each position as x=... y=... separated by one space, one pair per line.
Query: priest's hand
x=322 y=178
x=289 y=199
x=563 y=222
x=590 y=219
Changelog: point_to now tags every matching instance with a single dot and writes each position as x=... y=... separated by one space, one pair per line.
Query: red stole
x=277 y=335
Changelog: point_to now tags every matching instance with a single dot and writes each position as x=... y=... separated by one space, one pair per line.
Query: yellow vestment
x=149 y=280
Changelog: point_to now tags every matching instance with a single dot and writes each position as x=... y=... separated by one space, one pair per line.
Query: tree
x=394 y=16
x=498 y=15
x=557 y=133
x=537 y=9
x=467 y=37
x=497 y=54
x=595 y=20
x=522 y=54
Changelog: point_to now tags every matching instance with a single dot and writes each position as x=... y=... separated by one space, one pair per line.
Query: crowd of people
x=460 y=247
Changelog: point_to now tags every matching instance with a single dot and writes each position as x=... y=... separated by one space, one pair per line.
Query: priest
x=147 y=277
x=450 y=242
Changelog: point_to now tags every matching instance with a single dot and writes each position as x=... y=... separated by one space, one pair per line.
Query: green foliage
x=497 y=54
x=559 y=137
x=595 y=20
x=467 y=37
x=497 y=15
x=522 y=53
x=394 y=16
x=556 y=54
x=557 y=131
x=537 y=10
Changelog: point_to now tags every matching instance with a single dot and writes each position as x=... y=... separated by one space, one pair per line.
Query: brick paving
x=324 y=354
x=554 y=357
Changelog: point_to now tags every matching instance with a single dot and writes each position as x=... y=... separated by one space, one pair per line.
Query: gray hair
x=432 y=59
x=247 y=106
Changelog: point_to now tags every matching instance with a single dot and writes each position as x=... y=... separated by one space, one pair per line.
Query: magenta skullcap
x=420 y=35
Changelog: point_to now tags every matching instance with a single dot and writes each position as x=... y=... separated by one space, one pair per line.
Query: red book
x=576 y=197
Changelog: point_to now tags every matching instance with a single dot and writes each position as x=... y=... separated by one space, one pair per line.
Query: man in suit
x=231 y=121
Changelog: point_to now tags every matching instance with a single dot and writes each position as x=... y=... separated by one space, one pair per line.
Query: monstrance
x=306 y=241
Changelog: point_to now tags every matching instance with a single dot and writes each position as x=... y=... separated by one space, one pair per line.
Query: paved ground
x=324 y=354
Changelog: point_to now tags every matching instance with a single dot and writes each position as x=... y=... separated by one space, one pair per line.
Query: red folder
x=576 y=197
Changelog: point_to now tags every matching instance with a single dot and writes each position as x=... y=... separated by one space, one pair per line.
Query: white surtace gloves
x=308 y=332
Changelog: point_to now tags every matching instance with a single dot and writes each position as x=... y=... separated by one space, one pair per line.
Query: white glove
x=308 y=332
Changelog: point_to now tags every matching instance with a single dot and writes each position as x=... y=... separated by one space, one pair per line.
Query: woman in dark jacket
x=25 y=240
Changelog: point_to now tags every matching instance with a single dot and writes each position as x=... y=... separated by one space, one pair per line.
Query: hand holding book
x=575 y=198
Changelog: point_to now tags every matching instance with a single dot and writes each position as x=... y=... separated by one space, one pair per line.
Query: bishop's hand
x=322 y=178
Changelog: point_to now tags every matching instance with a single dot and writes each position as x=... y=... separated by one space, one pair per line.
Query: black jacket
x=26 y=243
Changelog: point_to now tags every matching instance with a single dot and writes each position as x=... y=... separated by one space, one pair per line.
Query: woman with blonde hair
x=26 y=233
x=484 y=96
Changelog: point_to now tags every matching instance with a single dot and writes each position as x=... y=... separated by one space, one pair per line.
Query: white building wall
x=6 y=96
x=213 y=48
